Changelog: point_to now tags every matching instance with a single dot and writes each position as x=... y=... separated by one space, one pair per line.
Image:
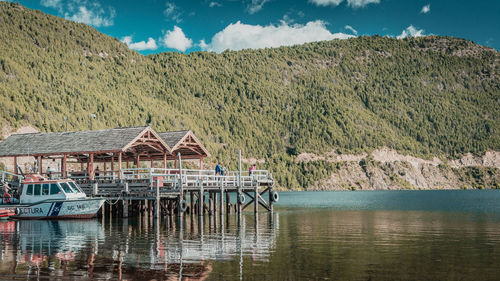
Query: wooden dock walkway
x=178 y=191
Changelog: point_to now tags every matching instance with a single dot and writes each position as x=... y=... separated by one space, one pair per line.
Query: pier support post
x=157 y=199
x=221 y=201
x=214 y=200
x=170 y=207
x=270 y=191
x=256 y=200
x=201 y=202
x=125 y=208
x=228 y=203
x=95 y=189
x=211 y=203
x=191 y=208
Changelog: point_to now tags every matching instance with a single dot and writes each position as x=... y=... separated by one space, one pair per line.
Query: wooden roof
x=185 y=143
x=172 y=138
x=131 y=140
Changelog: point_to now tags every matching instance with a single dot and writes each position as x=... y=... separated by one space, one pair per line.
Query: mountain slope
x=430 y=96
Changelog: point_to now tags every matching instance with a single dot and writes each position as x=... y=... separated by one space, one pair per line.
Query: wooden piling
x=256 y=200
x=200 y=202
x=125 y=208
x=157 y=199
x=270 y=191
x=221 y=202
x=191 y=209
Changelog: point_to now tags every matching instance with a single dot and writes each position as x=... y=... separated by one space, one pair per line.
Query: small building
x=113 y=148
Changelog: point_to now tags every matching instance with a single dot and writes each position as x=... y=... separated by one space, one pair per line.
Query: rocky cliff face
x=386 y=169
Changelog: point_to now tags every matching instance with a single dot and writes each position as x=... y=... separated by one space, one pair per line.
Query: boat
x=42 y=198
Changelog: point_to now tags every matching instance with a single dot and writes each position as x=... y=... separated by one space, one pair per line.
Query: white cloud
x=352 y=3
x=90 y=12
x=348 y=27
x=240 y=36
x=215 y=4
x=140 y=46
x=426 y=9
x=172 y=12
x=176 y=39
x=361 y=3
x=255 y=6
x=411 y=31
x=95 y=16
x=202 y=44
x=51 y=3
x=326 y=2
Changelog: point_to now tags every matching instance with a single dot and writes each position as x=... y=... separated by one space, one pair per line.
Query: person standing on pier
x=252 y=169
x=223 y=170
x=217 y=169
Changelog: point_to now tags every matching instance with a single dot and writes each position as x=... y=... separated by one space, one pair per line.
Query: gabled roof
x=101 y=141
x=185 y=143
x=173 y=138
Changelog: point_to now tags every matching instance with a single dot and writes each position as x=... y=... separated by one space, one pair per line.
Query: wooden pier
x=122 y=165
x=177 y=191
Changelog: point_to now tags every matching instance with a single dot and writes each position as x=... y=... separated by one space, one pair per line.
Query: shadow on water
x=145 y=248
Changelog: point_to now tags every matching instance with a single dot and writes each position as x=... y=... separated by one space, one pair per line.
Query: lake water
x=378 y=235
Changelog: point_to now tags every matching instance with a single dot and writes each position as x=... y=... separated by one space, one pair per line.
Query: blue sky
x=153 y=26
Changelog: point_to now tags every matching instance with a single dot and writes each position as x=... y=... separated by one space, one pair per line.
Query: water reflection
x=148 y=248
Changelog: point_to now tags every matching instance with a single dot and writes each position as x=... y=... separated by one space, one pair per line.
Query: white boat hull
x=58 y=209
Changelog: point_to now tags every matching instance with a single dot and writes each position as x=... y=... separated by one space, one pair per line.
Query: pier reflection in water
x=133 y=248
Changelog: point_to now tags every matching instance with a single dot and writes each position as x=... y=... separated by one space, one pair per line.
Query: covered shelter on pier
x=110 y=146
x=185 y=143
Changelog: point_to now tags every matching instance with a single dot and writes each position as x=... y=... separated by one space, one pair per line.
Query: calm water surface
x=382 y=235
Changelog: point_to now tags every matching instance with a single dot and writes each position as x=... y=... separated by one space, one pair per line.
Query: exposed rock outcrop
x=387 y=169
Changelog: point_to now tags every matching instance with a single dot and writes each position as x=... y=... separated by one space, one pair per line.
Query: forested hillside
x=427 y=96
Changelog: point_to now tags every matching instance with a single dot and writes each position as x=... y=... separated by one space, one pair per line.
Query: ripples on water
x=430 y=235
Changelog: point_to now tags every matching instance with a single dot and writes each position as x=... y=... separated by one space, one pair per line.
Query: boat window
x=54 y=189
x=65 y=186
x=45 y=189
x=75 y=187
x=37 y=189
x=29 y=191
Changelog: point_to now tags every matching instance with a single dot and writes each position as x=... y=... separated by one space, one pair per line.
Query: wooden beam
x=40 y=164
x=201 y=163
x=15 y=165
x=64 y=169
x=137 y=162
x=91 y=166
x=164 y=160
x=120 y=165
x=113 y=164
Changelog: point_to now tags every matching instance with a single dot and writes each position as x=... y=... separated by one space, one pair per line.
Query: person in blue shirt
x=217 y=169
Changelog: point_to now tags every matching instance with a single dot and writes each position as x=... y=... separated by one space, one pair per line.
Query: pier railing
x=190 y=178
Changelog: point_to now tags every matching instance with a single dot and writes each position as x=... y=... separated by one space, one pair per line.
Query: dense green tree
x=424 y=96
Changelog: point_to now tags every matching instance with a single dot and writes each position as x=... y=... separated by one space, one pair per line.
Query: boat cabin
x=37 y=189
